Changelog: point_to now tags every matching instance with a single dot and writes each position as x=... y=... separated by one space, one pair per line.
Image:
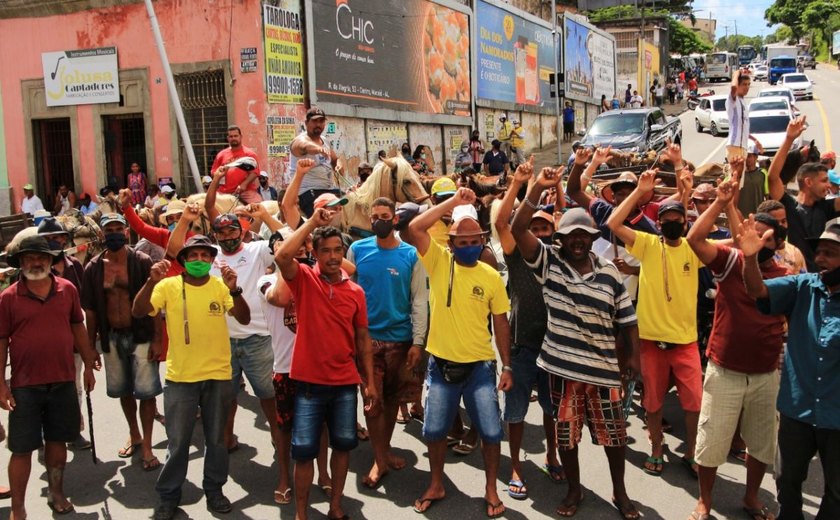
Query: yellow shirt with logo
x=207 y=355
x=673 y=321
x=517 y=139
x=459 y=332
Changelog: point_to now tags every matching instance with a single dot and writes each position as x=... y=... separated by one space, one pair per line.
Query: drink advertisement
x=406 y=55
x=590 y=62
x=515 y=57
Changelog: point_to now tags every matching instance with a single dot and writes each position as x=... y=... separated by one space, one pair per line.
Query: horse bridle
x=402 y=189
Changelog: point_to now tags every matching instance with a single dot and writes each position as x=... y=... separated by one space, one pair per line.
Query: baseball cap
x=464 y=211
x=365 y=166
x=111 y=217
x=264 y=174
x=328 y=200
x=465 y=222
x=406 y=212
x=704 y=191
x=246 y=164
x=752 y=148
x=575 y=219
x=166 y=189
x=671 y=205
x=833 y=177
x=196 y=241
x=227 y=220
x=543 y=215
x=28 y=186
x=496 y=143
x=831 y=233
x=315 y=113
x=443 y=187
x=828 y=155
x=206 y=179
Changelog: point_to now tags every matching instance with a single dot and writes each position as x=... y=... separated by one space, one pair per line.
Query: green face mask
x=197 y=268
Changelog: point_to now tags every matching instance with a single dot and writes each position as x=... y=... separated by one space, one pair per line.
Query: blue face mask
x=171 y=226
x=467 y=255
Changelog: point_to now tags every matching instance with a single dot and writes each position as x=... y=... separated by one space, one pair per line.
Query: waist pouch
x=453 y=372
x=664 y=345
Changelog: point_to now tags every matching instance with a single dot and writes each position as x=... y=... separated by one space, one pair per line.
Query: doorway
x=53 y=157
x=125 y=143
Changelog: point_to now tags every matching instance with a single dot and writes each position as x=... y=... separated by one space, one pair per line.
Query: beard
x=35 y=274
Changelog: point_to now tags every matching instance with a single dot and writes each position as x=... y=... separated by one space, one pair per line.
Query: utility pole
x=643 y=87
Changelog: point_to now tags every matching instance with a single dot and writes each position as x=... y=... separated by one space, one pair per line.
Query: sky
x=747 y=14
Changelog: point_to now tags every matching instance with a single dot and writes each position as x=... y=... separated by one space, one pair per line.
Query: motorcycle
x=694 y=99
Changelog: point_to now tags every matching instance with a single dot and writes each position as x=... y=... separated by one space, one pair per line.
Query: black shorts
x=568 y=128
x=43 y=413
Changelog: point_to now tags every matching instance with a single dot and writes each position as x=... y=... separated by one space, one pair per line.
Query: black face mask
x=831 y=278
x=406 y=151
x=306 y=260
x=765 y=254
x=230 y=245
x=672 y=229
x=382 y=228
x=548 y=240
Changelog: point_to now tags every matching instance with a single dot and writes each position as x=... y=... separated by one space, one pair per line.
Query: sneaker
x=79 y=444
x=218 y=503
x=165 y=511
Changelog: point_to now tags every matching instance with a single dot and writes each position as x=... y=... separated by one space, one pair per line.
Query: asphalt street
x=118 y=488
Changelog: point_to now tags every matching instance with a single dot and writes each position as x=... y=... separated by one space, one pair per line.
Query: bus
x=746 y=54
x=721 y=65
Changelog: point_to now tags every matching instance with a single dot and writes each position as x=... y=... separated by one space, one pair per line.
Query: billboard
x=81 y=77
x=835 y=42
x=283 y=52
x=589 y=62
x=406 y=55
x=514 y=58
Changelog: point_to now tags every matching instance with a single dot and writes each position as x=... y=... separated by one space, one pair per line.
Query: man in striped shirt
x=587 y=304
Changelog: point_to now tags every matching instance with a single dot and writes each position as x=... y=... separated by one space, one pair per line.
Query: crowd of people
x=603 y=295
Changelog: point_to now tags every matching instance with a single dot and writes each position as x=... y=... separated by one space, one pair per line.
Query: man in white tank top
x=64 y=200
x=309 y=144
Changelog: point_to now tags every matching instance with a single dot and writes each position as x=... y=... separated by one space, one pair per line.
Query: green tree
x=782 y=34
x=821 y=18
x=681 y=39
x=732 y=42
x=789 y=13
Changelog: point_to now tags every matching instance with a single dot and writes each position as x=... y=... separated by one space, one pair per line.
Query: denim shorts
x=481 y=399
x=128 y=371
x=526 y=373
x=253 y=357
x=315 y=404
x=43 y=412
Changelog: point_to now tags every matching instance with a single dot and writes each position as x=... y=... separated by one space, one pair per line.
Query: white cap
x=207 y=179
x=752 y=148
x=464 y=211
x=264 y=174
x=166 y=189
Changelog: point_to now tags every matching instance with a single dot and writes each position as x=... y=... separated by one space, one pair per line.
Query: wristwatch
x=236 y=292
x=507 y=368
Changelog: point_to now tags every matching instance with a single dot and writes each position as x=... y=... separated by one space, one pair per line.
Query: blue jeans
x=526 y=373
x=481 y=399
x=315 y=404
x=253 y=357
x=181 y=402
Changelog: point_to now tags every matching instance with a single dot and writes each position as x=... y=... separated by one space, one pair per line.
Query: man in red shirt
x=742 y=377
x=238 y=181
x=332 y=341
x=41 y=322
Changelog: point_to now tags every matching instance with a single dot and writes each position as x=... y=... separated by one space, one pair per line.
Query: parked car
x=778 y=91
x=760 y=72
x=807 y=61
x=769 y=128
x=711 y=114
x=762 y=104
x=633 y=130
x=799 y=83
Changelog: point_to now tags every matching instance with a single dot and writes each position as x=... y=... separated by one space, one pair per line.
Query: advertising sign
x=514 y=58
x=283 y=52
x=590 y=62
x=407 y=55
x=281 y=132
x=835 y=43
x=81 y=77
x=248 y=59
x=383 y=135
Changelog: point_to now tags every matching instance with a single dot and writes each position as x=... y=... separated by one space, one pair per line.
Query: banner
x=589 y=63
x=81 y=77
x=382 y=135
x=281 y=132
x=283 y=52
x=514 y=58
x=408 y=55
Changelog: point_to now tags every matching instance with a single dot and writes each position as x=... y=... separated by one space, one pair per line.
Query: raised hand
x=549 y=177
x=796 y=127
x=304 y=165
x=464 y=196
x=736 y=167
x=159 y=270
x=582 y=155
x=726 y=190
x=228 y=276
x=748 y=240
x=673 y=153
x=602 y=155
x=524 y=171
x=647 y=181
x=255 y=210
x=125 y=198
x=192 y=212
x=221 y=172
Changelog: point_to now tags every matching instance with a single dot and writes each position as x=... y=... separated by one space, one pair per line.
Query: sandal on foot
x=464 y=448
x=690 y=464
x=630 y=513
x=571 y=509
x=759 y=514
x=555 y=473
x=494 y=507
x=362 y=433
x=69 y=509
x=128 y=450
x=5 y=492
x=428 y=501
x=654 y=461
x=283 y=497
x=151 y=464
x=402 y=419
x=327 y=489
x=517 y=490
x=697 y=515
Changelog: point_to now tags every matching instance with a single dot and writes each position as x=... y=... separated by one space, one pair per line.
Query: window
x=53 y=157
x=205 y=111
x=719 y=105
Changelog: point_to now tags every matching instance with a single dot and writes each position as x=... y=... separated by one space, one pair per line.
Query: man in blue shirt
x=394 y=282
x=568 y=121
x=809 y=411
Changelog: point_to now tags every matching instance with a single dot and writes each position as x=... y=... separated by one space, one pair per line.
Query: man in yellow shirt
x=198 y=367
x=667 y=309
x=517 y=145
x=463 y=292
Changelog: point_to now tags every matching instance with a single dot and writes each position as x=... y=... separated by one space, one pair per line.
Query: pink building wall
x=192 y=32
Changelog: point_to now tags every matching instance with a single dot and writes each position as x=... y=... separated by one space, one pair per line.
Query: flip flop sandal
x=696 y=515
x=654 y=461
x=69 y=509
x=401 y=419
x=362 y=433
x=127 y=451
x=429 y=501
x=494 y=507
x=763 y=513
x=522 y=492
x=738 y=454
x=555 y=473
x=571 y=509
x=283 y=497
x=627 y=514
x=463 y=448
